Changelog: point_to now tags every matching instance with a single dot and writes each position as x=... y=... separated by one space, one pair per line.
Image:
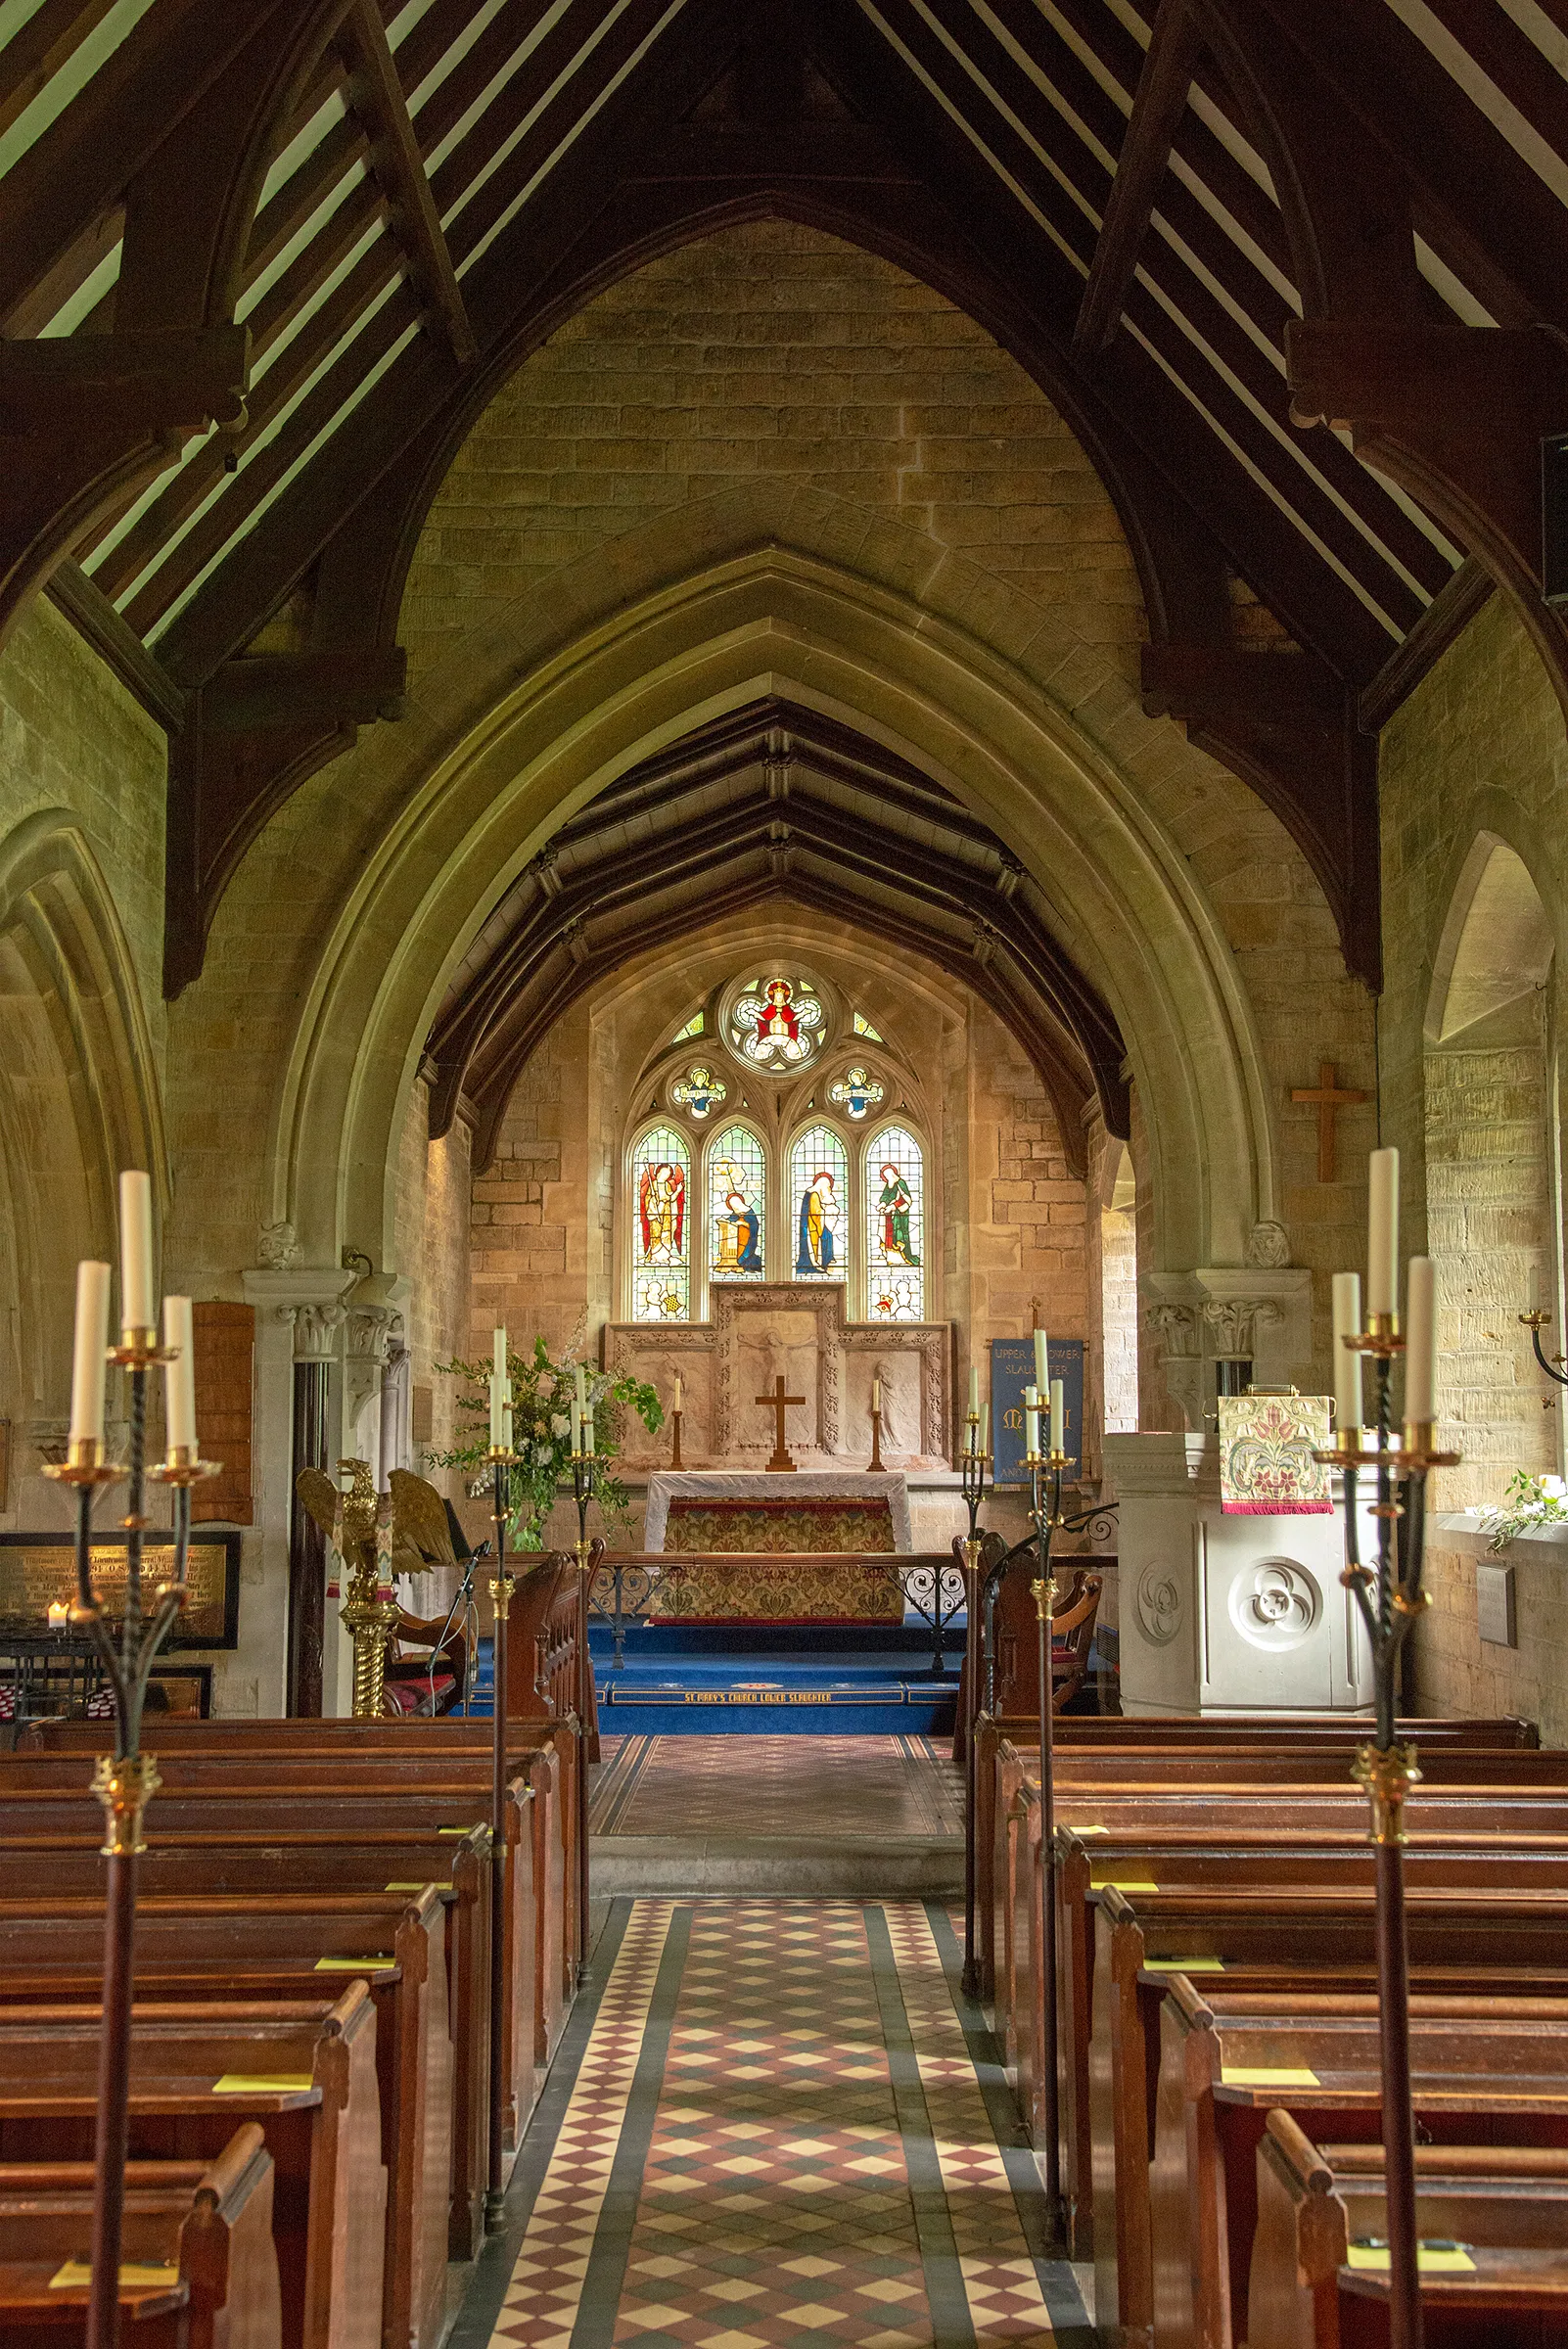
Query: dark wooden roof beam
x=1140 y=167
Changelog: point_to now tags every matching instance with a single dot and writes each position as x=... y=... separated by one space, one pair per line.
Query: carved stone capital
x=1233 y=1322
x=368 y=1332
x=315 y=1329
x=1177 y=1329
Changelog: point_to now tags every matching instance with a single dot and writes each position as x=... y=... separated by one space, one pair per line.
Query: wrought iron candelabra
x=1390 y=1598
x=1045 y=1508
x=500 y=1459
x=126 y=1781
x=973 y=1462
x=584 y=1482
x=1535 y=1321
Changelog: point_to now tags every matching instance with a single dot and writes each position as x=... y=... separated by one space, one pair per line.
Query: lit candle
x=1042 y=1377
x=679 y=1390
x=180 y=1376
x=1058 y=1415
x=1031 y=1420
x=974 y=1393
x=59 y=1614
x=876 y=1395
x=1346 y=1362
x=1383 y=1232
x=499 y=1388
x=91 y=1364
x=1420 y=1342
x=136 y=1252
x=576 y=1428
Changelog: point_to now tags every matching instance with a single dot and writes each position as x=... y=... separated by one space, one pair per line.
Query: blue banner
x=1012 y=1369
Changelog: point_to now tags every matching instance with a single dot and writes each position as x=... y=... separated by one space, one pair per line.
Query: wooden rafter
x=377 y=96
x=1146 y=153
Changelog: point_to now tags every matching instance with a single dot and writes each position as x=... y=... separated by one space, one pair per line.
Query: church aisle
x=784 y=2126
x=777 y=1785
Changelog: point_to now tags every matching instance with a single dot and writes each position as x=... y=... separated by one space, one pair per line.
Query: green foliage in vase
x=541 y=1434
x=1529 y=1500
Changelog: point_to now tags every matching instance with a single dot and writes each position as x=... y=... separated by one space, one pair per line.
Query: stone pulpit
x=1224 y=1613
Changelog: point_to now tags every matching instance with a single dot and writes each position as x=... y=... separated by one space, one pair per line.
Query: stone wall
x=1457 y=1672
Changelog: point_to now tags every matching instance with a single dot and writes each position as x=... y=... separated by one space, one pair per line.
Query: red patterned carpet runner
x=778 y=2133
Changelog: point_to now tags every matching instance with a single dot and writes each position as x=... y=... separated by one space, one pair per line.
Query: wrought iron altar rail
x=624 y=1584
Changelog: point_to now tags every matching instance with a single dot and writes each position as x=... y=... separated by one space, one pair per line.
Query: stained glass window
x=864 y=1027
x=660 y=1239
x=857 y=1091
x=737 y=1192
x=778 y=1023
x=819 y=1203
x=895 y=1226
x=694 y=1026
x=699 y=1092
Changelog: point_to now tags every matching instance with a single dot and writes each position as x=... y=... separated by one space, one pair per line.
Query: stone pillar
x=315 y=1342
x=298 y=1308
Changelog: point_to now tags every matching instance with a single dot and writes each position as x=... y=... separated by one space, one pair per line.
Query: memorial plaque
x=36 y=1568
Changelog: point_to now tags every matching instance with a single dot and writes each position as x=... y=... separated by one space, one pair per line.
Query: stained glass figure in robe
x=778 y=1023
x=819 y=1181
x=661 y=1279
x=737 y=1180
x=857 y=1091
x=699 y=1092
x=895 y=1225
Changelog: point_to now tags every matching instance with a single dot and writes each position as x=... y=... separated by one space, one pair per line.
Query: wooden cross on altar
x=1329 y=1099
x=778 y=1402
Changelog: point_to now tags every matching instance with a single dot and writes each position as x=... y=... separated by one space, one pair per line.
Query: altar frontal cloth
x=736 y=1587
x=1266 y=1468
x=724 y=1512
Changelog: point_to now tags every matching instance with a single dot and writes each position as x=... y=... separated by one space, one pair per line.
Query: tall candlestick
x=136 y=1310
x=91 y=1362
x=1042 y=1375
x=1383 y=1232
x=1346 y=1362
x=1058 y=1415
x=1420 y=1342
x=180 y=1376
x=973 y=1391
x=500 y=1386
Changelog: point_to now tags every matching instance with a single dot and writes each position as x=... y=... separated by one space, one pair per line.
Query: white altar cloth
x=666 y=1485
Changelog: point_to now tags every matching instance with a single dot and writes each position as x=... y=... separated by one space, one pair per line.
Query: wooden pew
x=1482 y=2070
x=320 y=2125
x=210 y=2223
x=1507 y=2206
x=219 y=1857
x=1461 y=1942
x=190 y=1947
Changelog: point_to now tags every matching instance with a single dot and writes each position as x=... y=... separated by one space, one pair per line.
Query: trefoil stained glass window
x=661 y=1274
x=778 y=1023
x=820 y=1200
x=737 y=1190
x=895 y=1226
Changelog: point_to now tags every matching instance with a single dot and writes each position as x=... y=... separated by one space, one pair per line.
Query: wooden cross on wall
x=778 y=1402
x=1330 y=1098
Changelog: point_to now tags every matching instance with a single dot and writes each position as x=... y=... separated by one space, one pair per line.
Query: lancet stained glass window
x=661 y=1246
x=819 y=1202
x=895 y=1226
x=737 y=1192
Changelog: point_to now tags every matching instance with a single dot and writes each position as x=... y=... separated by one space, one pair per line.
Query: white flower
x=560 y=1423
x=1553 y=1488
x=543 y=1455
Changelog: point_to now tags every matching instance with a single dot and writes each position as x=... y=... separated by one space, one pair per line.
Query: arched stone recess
x=80 y=1097
x=486 y=778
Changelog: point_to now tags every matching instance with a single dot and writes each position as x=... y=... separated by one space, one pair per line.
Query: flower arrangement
x=1529 y=1500
x=541 y=1432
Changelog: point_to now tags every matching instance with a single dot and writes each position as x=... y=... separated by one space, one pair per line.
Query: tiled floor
x=781 y=2131
x=850 y=1786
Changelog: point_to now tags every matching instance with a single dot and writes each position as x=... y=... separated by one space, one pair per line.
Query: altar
x=724 y=1510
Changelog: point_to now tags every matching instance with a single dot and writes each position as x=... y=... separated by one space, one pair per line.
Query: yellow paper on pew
x=261 y=2084
x=353 y=1966
x=435 y=1882
x=1183 y=1965
x=1266 y=2075
x=1451 y=2259
x=1075 y=1831
x=1123 y=1884
x=77 y=2274
x=479 y=1822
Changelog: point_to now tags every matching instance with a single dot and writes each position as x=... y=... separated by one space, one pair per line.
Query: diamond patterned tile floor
x=842 y=1786
x=781 y=2131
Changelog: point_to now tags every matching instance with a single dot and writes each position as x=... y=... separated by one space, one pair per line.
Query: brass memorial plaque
x=36 y=1568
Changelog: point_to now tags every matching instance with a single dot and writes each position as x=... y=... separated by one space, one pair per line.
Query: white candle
x=971 y=1431
x=876 y=1395
x=506 y=1425
x=1032 y=1419
x=180 y=1376
x=679 y=1390
x=577 y=1427
x=1347 y=1362
x=499 y=1389
x=136 y=1252
x=973 y=1391
x=1383 y=1232
x=1421 y=1341
x=1533 y=1290
x=581 y=1379
x=587 y=1431
x=59 y=1614
x=1058 y=1415
x=91 y=1364
x=1042 y=1375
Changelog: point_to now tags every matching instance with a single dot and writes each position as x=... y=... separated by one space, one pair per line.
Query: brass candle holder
x=499 y=1459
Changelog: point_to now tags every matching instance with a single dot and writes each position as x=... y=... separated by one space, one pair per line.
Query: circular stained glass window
x=777 y=1022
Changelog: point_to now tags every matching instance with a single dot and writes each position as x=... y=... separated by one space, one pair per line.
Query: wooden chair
x=422 y=1686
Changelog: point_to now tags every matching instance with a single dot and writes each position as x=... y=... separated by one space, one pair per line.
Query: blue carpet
x=843 y=1687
